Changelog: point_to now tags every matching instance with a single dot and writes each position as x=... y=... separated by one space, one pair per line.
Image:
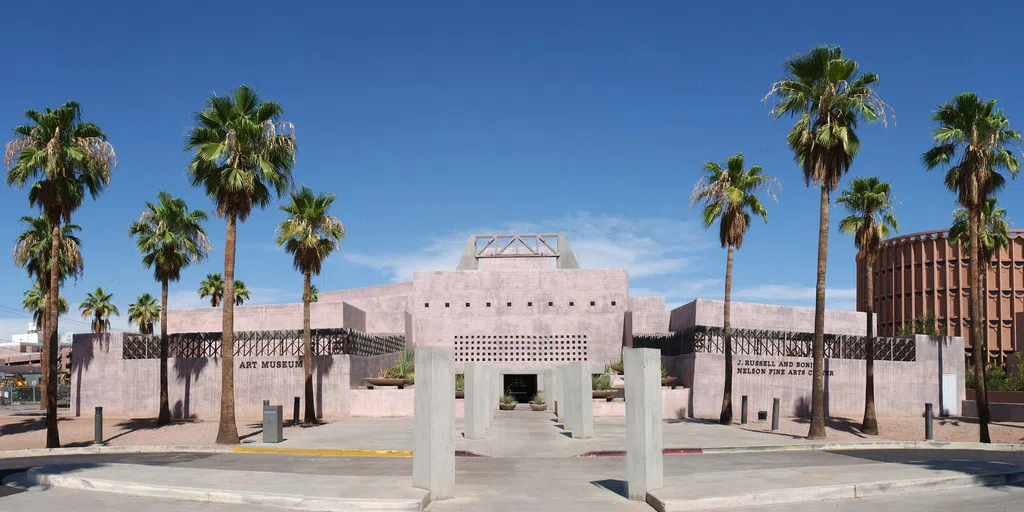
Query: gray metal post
x=775 y=414
x=929 y=434
x=273 y=422
x=98 y=437
x=295 y=412
x=743 y=411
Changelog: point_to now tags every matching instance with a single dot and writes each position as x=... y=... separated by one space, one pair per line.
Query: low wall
x=1003 y=397
x=901 y=388
x=1000 y=411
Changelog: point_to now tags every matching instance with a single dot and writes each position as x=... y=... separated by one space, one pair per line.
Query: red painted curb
x=622 y=453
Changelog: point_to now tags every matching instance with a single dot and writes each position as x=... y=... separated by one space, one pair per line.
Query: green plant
x=998 y=378
x=924 y=324
x=460 y=382
x=664 y=372
x=507 y=399
x=537 y=399
x=600 y=382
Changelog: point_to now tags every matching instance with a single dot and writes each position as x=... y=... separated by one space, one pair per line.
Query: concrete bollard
x=98 y=426
x=579 y=389
x=743 y=410
x=295 y=413
x=644 y=459
x=477 y=400
x=775 y=414
x=433 y=459
x=929 y=434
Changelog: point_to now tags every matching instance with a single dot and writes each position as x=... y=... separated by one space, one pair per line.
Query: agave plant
x=507 y=399
x=537 y=399
x=600 y=382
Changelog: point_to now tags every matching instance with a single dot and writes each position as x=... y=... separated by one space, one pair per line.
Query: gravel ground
x=896 y=428
x=22 y=430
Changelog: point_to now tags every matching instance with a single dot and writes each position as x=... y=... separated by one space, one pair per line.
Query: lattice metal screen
x=521 y=348
x=708 y=340
x=264 y=344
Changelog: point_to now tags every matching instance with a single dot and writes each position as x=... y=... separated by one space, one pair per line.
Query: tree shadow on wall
x=188 y=370
x=321 y=367
x=84 y=353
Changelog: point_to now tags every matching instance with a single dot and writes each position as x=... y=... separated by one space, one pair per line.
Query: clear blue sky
x=432 y=120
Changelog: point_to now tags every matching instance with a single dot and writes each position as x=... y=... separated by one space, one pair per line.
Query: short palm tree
x=974 y=139
x=314 y=294
x=310 y=235
x=241 y=292
x=170 y=238
x=60 y=159
x=144 y=312
x=993 y=235
x=243 y=156
x=871 y=219
x=729 y=196
x=212 y=287
x=97 y=305
x=823 y=91
x=35 y=303
x=32 y=252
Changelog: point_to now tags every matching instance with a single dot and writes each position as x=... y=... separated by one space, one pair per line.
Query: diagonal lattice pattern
x=326 y=342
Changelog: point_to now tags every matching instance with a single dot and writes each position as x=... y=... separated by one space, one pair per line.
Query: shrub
x=507 y=399
x=998 y=379
x=600 y=382
x=460 y=382
x=537 y=399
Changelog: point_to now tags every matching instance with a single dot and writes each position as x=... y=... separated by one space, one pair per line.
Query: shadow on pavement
x=615 y=486
x=29 y=424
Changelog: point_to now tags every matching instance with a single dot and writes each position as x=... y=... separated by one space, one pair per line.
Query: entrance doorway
x=523 y=387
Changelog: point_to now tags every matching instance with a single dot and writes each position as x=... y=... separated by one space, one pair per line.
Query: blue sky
x=435 y=120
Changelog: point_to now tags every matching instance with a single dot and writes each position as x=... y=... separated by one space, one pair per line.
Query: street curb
x=34 y=477
x=316 y=452
x=836 y=492
x=95 y=450
x=875 y=445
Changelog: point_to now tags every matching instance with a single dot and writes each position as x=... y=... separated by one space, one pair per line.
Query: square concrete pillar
x=580 y=394
x=433 y=459
x=644 y=462
x=478 y=400
x=557 y=381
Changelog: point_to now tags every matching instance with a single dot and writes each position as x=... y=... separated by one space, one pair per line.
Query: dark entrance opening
x=523 y=387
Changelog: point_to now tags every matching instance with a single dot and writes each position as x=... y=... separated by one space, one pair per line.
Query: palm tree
x=35 y=303
x=981 y=135
x=212 y=287
x=60 y=159
x=729 y=196
x=32 y=252
x=823 y=91
x=993 y=235
x=314 y=294
x=310 y=235
x=97 y=305
x=869 y=202
x=243 y=156
x=241 y=293
x=170 y=238
x=144 y=312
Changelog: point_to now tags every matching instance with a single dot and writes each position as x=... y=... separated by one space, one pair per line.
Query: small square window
x=447 y=305
x=426 y=304
x=467 y=304
x=571 y=303
x=551 y=304
x=488 y=304
x=529 y=304
x=508 y=304
x=591 y=303
x=613 y=303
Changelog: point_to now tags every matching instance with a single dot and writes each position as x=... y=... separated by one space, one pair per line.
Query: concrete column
x=644 y=462
x=433 y=460
x=579 y=391
x=477 y=400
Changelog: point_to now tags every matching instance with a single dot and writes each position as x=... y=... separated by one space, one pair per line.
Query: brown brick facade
x=922 y=272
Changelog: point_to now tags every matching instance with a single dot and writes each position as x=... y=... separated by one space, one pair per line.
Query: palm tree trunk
x=978 y=347
x=45 y=368
x=49 y=354
x=726 y=417
x=870 y=425
x=165 y=409
x=817 y=430
x=307 y=354
x=227 y=431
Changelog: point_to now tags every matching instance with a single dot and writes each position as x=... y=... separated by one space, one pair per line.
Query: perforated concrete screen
x=519 y=348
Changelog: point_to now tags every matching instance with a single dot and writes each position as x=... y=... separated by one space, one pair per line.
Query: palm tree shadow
x=188 y=370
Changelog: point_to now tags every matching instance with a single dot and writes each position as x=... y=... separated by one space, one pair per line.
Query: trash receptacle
x=273 y=423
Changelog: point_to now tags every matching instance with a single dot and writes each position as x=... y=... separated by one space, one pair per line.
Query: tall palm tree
x=243 y=156
x=982 y=137
x=729 y=195
x=993 y=235
x=212 y=287
x=35 y=303
x=823 y=91
x=144 y=312
x=60 y=159
x=871 y=219
x=97 y=305
x=170 y=238
x=310 y=235
x=241 y=293
x=32 y=252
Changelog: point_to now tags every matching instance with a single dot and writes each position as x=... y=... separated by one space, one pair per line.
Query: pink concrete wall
x=649 y=314
x=269 y=317
x=747 y=315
